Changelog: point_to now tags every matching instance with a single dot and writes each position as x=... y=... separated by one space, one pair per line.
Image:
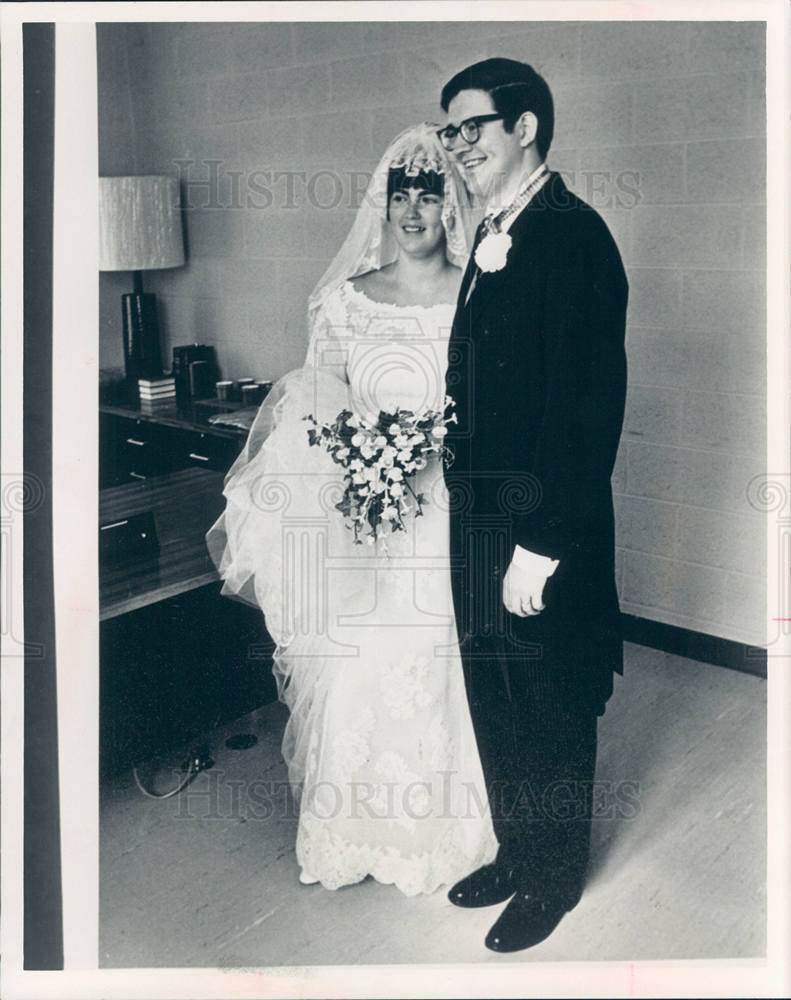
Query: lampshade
x=139 y=223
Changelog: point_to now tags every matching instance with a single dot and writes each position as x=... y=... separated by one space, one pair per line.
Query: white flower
x=367 y=450
x=352 y=421
x=380 y=441
x=395 y=473
x=492 y=252
x=390 y=513
x=439 y=432
x=358 y=439
x=404 y=455
x=401 y=441
x=343 y=452
x=394 y=429
x=359 y=477
x=396 y=490
x=355 y=464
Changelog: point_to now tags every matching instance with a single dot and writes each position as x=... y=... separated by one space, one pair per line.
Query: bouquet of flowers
x=380 y=456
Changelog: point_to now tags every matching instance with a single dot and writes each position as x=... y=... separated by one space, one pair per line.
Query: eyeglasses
x=469 y=128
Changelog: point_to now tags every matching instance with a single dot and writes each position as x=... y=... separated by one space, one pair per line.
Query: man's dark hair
x=514 y=88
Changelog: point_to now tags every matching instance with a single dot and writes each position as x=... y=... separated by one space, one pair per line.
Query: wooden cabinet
x=134 y=445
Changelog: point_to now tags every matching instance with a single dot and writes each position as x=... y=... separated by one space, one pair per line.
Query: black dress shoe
x=525 y=922
x=485 y=887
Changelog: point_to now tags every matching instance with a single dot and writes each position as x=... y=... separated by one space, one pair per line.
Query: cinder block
x=618 y=479
x=705 y=107
x=366 y=82
x=698 y=592
x=566 y=162
x=274 y=232
x=259 y=46
x=661 y=472
x=326 y=230
x=712 y=479
x=165 y=104
x=717 y=361
x=723 y=420
x=620 y=50
x=725 y=46
x=732 y=171
x=598 y=116
x=274 y=142
x=627 y=176
x=643 y=525
x=388 y=122
x=384 y=36
x=647 y=580
x=619 y=222
x=652 y=413
x=746 y=608
x=216 y=319
x=250 y=280
x=694 y=236
x=725 y=300
x=214 y=233
x=298 y=90
x=320 y=41
x=654 y=296
x=754 y=240
x=728 y=541
x=200 y=276
x=344 y=138
x=551 y=48
x=427 y=70
x=239 y=98
x=755 y=110
x=203 y=48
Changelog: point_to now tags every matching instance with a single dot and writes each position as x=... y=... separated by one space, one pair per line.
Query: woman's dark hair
x=514 y=88
x=399 y=179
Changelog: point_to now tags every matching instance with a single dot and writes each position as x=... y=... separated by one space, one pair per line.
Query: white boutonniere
x=492 y=252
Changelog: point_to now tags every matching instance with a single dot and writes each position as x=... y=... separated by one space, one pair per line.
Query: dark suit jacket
x=538 y=372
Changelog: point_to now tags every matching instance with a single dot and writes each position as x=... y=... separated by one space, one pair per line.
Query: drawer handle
x=199 y=458
x=115 y=524
x=137 y=475
x=135 y=441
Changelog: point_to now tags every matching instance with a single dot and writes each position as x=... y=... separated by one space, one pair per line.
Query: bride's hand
x=523 y=592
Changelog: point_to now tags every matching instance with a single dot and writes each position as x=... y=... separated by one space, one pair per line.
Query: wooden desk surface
x=184 y=504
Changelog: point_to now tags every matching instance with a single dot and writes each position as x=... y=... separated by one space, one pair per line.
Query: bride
x=379 y=744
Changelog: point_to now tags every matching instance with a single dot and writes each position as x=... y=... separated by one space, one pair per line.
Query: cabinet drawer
x=183 y=449
x=129 y=449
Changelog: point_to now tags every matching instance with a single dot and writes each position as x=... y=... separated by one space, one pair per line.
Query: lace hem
x=336 y=862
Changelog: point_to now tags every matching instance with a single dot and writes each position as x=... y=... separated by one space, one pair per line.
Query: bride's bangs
x=402 y=178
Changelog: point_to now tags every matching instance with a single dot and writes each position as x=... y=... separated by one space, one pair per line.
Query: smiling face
x=497 y=158
x=415 y=216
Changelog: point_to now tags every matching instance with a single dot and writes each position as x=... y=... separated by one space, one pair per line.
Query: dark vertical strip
x=43 y=927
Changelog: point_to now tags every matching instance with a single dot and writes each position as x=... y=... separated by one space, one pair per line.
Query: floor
x=208 y=878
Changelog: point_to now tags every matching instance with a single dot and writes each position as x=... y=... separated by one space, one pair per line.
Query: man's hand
x=523 y=591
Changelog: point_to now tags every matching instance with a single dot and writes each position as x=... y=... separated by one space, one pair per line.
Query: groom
x=537 y=370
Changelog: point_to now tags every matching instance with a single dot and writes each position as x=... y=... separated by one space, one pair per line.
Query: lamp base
x=142 y=354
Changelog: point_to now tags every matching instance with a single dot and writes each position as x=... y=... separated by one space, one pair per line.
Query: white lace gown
x=379 y=742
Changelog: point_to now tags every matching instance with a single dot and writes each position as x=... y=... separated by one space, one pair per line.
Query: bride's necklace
x=492 y=251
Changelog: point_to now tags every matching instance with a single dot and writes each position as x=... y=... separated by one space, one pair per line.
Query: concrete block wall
x=658 y=125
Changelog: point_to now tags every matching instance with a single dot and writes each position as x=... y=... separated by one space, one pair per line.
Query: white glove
x=523 y=591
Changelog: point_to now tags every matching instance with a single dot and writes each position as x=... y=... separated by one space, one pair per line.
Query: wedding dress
x=379 y=743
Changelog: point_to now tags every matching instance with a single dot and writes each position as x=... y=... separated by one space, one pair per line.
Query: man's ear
x=526 y=128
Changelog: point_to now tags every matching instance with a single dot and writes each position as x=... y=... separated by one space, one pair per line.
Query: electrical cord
x=199 y=761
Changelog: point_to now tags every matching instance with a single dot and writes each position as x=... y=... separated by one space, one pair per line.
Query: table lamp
x=140 y=230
